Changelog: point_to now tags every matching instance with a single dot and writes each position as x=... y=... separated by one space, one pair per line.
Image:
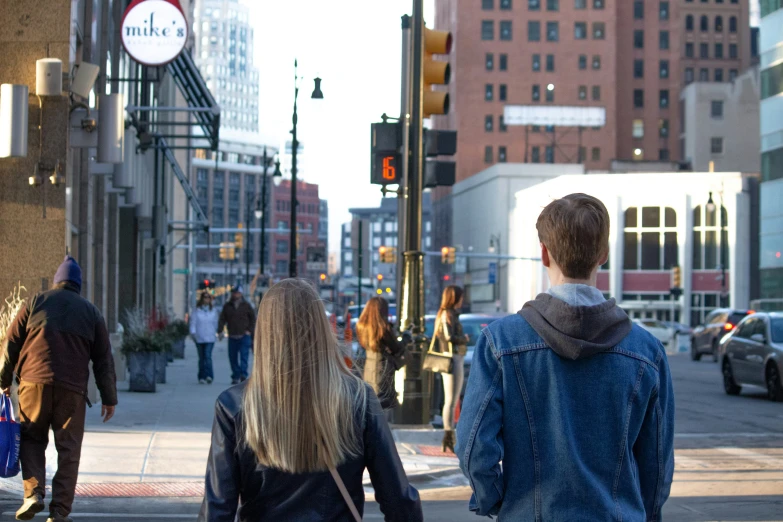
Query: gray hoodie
x=576 y=321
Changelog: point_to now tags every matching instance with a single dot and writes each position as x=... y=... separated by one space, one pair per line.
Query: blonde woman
x=292 y=442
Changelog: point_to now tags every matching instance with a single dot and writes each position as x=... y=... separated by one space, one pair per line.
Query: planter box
x=160 y=367
x=141 y=370
x=178 y=349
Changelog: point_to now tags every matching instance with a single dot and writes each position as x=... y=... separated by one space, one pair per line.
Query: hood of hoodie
x=577 y=332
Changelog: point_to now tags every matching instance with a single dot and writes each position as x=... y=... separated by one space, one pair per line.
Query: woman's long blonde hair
x=373 y=324
x=301 y=400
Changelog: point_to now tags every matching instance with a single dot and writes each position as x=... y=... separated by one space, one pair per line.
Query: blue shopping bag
x=10 y=437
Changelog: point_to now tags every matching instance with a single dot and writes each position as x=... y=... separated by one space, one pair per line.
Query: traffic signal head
x=379 y=277
x=676 y=277
x=448 y=255
x=436 y=72
x=439 y=173
x=387 y=254
x=239 y=237
x=323 y=277
x=385 y=140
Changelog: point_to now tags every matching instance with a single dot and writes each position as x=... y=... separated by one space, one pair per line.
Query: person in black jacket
x=49 y=347
x=384 y=352
x=240 y=320
x=292 y=442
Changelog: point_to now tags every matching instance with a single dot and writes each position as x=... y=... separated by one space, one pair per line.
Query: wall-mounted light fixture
x=14 y=116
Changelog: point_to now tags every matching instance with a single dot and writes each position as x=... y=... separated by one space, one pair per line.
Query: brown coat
x=239 y=317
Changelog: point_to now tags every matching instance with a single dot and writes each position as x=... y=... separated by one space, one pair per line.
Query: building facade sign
x=154 y=32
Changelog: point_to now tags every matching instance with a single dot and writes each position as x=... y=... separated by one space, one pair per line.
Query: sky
x=354 y=46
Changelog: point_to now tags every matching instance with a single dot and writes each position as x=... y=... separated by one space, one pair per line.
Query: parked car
x=679 y=328
x=355 y=313
x=717 y=324
x=659 y=329
x=752 y=354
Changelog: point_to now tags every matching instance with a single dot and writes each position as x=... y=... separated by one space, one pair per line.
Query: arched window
x=689 y=23
x=708 y=238
x=650 y=238
x=733 y=24
x=704 y=24
x=718 y=24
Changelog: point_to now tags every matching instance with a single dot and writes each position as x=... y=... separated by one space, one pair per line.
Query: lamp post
x=317 y=95
x=711 y=208
x=495 y=239
x=258 y=214
x=261 y=212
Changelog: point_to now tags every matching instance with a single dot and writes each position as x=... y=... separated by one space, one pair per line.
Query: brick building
x=308 y=218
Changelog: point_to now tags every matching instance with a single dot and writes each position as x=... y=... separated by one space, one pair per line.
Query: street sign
x=316 y=259
x=154 y=32
x=183 y=271
x=493 y=273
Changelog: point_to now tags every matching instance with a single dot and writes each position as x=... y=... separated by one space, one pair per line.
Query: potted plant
x=141 y=349
x=179 y=331
x=163 y=340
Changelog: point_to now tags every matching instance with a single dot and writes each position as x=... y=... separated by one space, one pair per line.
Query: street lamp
x=493 y=240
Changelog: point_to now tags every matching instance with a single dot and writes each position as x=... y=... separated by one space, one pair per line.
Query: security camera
x=84 y=79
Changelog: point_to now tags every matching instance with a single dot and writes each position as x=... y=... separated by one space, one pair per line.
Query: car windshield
x=776 y=328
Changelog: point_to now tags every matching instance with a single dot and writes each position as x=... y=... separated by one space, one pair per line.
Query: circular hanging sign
x=154 y=32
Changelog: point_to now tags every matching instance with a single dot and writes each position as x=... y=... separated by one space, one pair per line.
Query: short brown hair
x=575 y=230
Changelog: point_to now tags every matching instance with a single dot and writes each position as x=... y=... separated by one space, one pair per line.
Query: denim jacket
x=581 y=436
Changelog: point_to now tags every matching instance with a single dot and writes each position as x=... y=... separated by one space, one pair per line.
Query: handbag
x=439 y=362
x=10 y=437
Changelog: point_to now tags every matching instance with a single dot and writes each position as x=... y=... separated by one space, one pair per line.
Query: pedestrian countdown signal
x=385 y=169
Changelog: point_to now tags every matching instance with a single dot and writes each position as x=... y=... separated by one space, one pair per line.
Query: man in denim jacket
x=574 y=400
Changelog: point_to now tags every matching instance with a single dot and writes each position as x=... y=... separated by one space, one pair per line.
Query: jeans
x=452 y=388
x=238 y=356
x=205 y=360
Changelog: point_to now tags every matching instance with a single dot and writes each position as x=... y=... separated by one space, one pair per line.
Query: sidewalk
x=157 y=443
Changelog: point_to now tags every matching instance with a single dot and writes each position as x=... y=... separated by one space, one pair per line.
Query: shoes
x=202 y=381
x=55 y=516
x=30 y=507
x=209 y=380
x=449 y=440
x=234 y=381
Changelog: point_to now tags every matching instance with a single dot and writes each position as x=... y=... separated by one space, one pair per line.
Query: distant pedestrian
x=50 y=346
x=573 y=398
x=203 y=328
x=384 y=354
x=292 y=443
x=451 y=339
x=240 y=318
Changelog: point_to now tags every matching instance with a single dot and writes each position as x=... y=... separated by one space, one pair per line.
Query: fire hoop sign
x=154 y=32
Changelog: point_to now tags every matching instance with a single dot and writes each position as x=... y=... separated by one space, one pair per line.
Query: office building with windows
x=771 y=64
x=309 y=225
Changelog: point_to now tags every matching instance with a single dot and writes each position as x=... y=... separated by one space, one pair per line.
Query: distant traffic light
x=436 y=72
x=323 y=278
x=227 y=251
x=387 y=254
x=239 y=237
x=448 y=255
x=676 y=277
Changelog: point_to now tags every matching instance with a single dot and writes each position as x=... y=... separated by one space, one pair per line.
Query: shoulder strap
x=344 y=492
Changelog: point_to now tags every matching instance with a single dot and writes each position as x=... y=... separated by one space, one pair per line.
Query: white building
x=658 y=221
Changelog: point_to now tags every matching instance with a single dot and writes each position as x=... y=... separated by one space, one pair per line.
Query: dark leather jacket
x=379 y=368
x=238 y=488
x=449 y=321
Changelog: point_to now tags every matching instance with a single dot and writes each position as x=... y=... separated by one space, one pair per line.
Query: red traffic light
x=447 y=277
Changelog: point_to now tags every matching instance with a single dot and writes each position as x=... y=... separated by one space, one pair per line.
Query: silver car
x=752 y=355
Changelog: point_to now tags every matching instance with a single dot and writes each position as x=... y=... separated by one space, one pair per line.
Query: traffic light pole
x=405 y=123
x=292 y=268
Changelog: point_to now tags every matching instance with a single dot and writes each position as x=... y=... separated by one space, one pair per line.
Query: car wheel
x=715 y=350
x=774 y=385
x=695 y=355
x=730 y=386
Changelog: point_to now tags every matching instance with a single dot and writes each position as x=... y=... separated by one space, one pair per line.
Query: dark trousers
x=42 y=406
x=238 y=356
x=205 y=360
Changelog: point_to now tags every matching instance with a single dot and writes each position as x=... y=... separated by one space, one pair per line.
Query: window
x=689 y=23
x=733 y=24
x=489 y=61
x=719 y=51
x=502 y=154
x=536 y=93
x=489 y=92
x=582 y=62
x=638 y=10
x=550 y=94
x=536 y=154
x=663 y=40
x=638 y=39
x=771 y=81
x=663 y=154
x=533 y=5
x=638 y=68
x=718 y=24
x=663 y=128
x=487 y=5
x=596 y=62
x=502 y=127
x=704 y=24
x=489 y=122
x=708 y=234
x=716 y=145
x=580 y=4
x=663 y=11
x=488 y=154
x=716 y=109
x=638 y=128
x=704 y=75
x=580 y=30
x=718 y=75
x=732 y=74
x=550 y=62
x=598 y=4
x=503 y=65
x=502 y=94
x=596 y=93
x=596 y=154
x=487 y=30
x=505 y=5
x=663 y=69
x=733 y=51
x=534 y=31
x=549 y=154
x=552 y=31
x=689 y=50
x=552 y=5
x=704 y=50
x=599 y=30
x=536 y=62
x=638 y=98
x=282 y=246
x=583 y=92
x=663 y=99
x=505 y=30
x=653 y=245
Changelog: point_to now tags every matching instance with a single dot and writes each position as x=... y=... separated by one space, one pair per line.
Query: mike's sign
x=154 y=32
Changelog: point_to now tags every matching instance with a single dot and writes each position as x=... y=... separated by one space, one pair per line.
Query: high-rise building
x=224 y=54
x=771 y=58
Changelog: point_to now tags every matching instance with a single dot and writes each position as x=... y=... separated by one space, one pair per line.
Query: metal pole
x=292 y=268
x=722 y=254
x=247 y=241
x=261 y=270
x=497 y=281
x=405 y=123
x=361 y=265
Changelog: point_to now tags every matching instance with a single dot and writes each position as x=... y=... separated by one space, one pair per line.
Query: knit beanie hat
x=69 y=271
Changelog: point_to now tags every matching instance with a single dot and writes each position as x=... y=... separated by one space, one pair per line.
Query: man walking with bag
x=574 y=399
x=49 y=347
x=240 y=318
